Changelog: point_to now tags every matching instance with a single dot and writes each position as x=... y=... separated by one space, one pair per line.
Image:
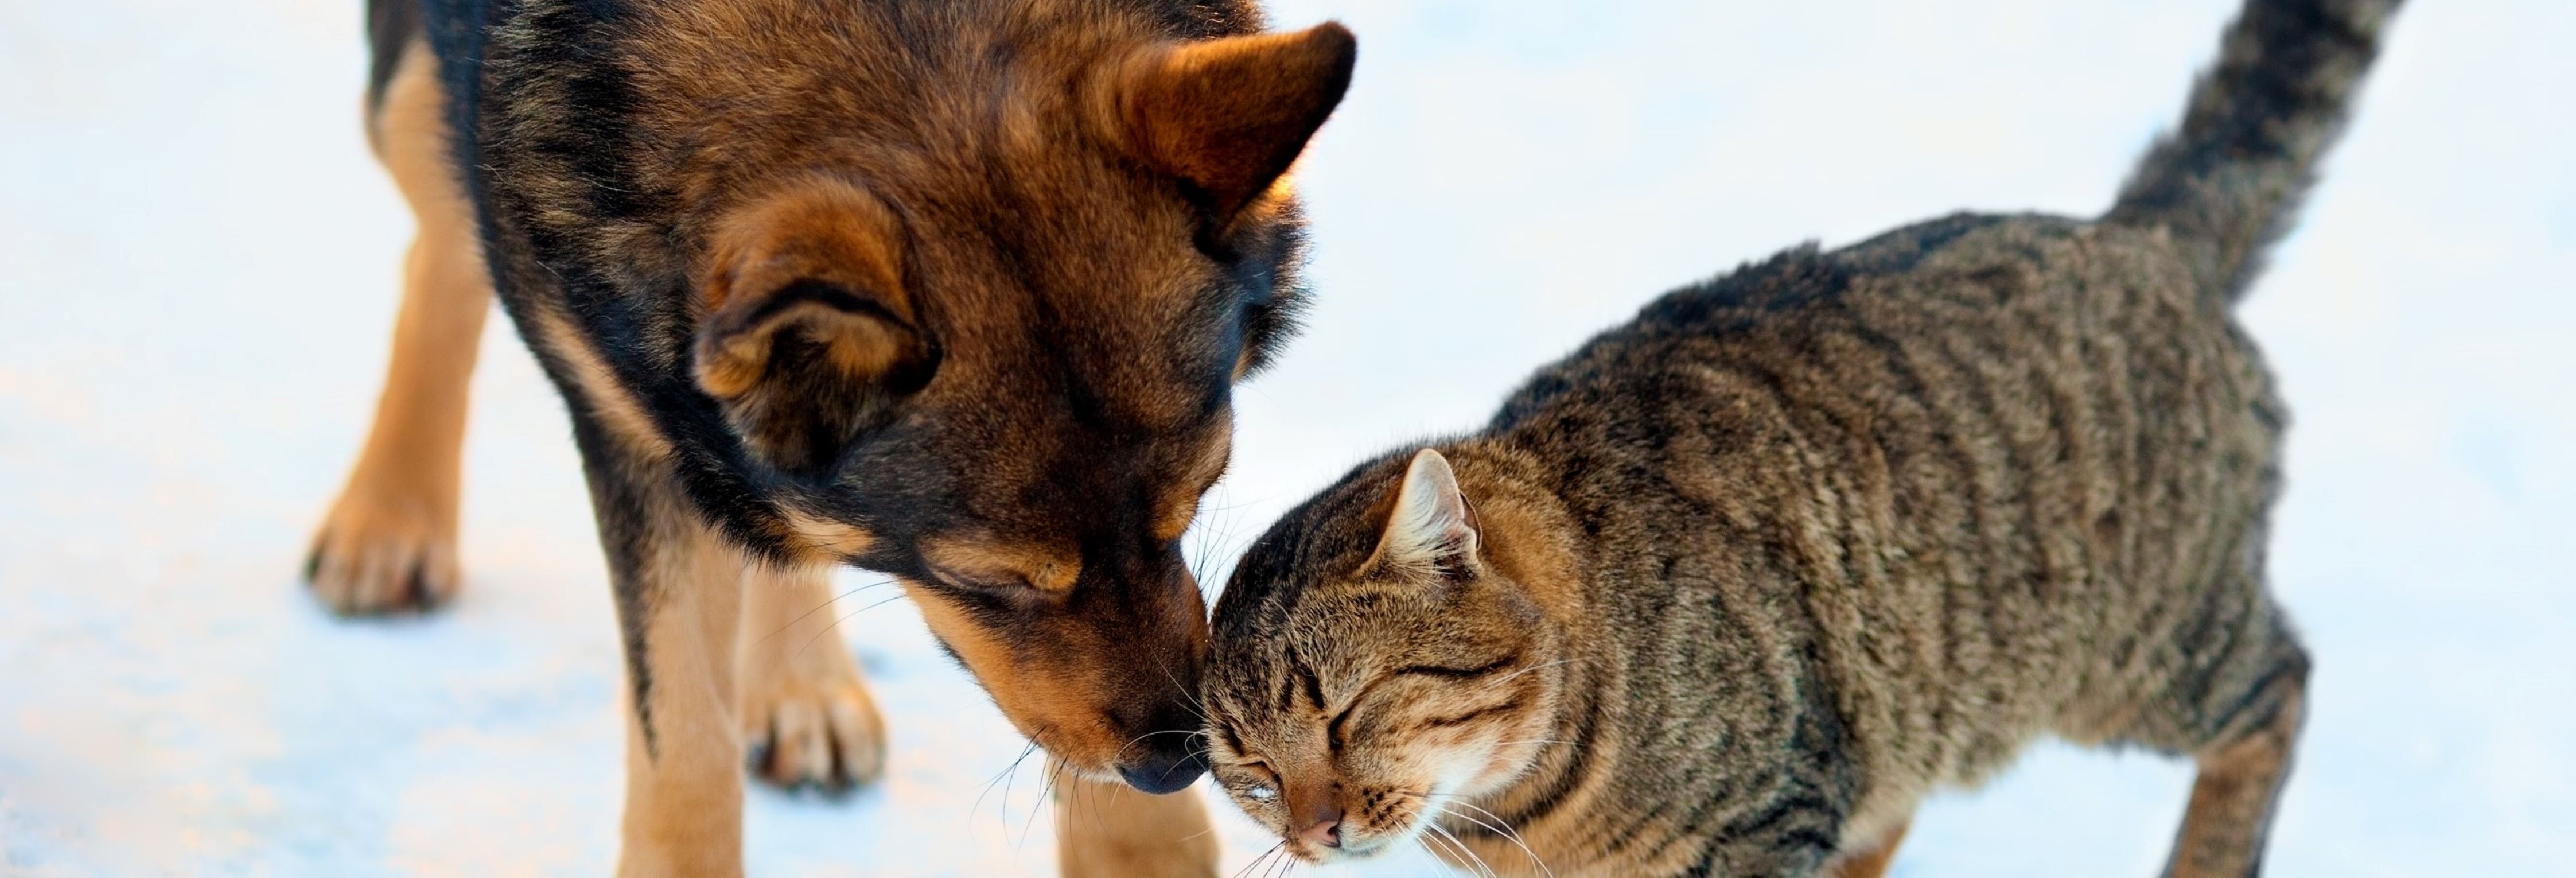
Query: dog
x=956 y=291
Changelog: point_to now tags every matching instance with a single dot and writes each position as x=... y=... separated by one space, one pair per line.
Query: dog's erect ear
x=1229 y=115
x=1430 y=530
x=809 y=337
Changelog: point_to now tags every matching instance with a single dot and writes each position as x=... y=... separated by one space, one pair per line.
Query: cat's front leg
x=1870 y=859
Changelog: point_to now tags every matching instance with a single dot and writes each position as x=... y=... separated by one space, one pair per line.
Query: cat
x=1732 y=587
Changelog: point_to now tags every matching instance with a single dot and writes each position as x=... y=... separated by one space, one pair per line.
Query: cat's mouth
x=1350 y=850
x=1356 y=846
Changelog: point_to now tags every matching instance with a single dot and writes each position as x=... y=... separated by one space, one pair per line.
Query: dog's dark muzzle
x=1162 y=770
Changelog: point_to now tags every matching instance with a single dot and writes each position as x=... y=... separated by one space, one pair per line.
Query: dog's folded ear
x=809 y=338
x=1230 y=115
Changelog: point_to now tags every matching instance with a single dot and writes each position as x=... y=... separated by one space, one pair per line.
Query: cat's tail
x=2227 y=185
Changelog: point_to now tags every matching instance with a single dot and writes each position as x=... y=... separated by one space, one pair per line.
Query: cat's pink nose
x=1326 y=831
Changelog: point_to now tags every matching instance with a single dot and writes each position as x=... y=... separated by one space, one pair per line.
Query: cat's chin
x=1325 y=856
x=1364 y=852
x=1356 y=849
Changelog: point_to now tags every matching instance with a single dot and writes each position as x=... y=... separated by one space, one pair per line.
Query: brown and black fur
x=952 y=290
x=1729 y=590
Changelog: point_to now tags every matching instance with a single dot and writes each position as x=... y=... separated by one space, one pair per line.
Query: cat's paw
x=812 y=730
x=378 y=553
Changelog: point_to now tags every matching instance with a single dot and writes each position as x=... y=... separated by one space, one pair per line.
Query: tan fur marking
x=389 y=541
x=1049 y=708
x=683 y=814
x=801 y=693
x=819 y=228
x=823 y=536
x=619 y=412
x=993 y=562
x=1180 y=503
x=1107 y=830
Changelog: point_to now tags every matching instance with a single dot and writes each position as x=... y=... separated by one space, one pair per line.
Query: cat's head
x=1373 y=664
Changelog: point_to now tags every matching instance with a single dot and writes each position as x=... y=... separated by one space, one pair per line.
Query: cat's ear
x=1430 y=530
x=809 y=338
x=1229 y=115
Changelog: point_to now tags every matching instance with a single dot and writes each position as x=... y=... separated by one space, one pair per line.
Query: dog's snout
x=1165 y=769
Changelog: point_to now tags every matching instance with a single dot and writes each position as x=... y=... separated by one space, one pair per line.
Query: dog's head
x=977 y=314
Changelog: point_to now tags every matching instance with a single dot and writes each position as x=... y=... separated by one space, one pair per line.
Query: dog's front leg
x=678 y=590
x=806 y=716
x=1104 y=829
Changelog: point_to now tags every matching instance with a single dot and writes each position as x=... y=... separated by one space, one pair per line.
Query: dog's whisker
x=1007 y=771
x=836 y=623
x=791 y=623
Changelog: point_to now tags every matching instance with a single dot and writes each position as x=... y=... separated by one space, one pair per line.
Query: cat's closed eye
x=1466 y=672
x=1336 y=730
x=1264 y=784
x=1465 y=717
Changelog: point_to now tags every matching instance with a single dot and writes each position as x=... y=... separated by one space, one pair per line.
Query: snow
x=200 y=263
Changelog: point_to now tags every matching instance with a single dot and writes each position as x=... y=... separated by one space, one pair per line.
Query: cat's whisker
x=1467 y=859
x=1482 y=868
x=1257 y=861
x=1247 y=866
x=1498 y=827
x=1283 y=866
x=1425 y=840
x=1440 y=806
x=1422 y=848
x=1489 y=685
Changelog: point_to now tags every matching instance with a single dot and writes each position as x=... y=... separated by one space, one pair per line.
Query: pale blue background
x=197 y=264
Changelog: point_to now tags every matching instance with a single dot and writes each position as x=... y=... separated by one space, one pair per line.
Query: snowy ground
x=200 y=259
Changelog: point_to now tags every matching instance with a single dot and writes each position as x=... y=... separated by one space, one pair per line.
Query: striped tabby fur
x=1733 y=587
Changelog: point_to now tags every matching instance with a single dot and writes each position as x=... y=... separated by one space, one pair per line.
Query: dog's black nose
x=1164 y=770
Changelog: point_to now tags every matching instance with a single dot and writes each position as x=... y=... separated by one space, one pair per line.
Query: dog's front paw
x=810 y=724
x=379 y=553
